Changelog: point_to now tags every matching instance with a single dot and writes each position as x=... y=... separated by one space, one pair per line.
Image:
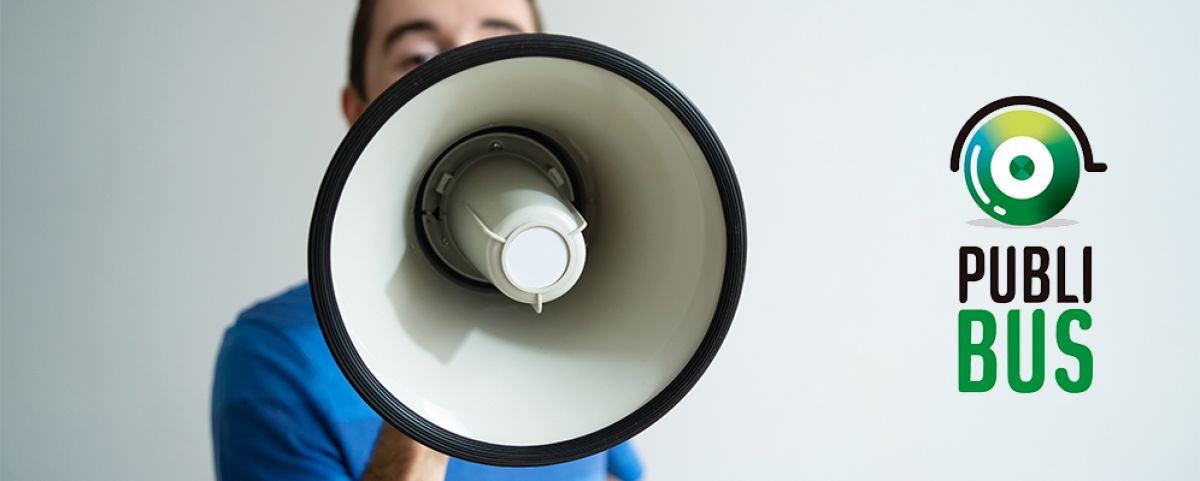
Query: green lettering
x=1038 y=352
x=983 y=350
x=1074 y=349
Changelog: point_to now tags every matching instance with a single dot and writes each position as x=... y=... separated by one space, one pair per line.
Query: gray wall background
x=159 y=162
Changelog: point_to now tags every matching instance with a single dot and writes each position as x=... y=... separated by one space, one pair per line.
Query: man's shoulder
x=274 y=348
x=290 y=309
x=279 y=401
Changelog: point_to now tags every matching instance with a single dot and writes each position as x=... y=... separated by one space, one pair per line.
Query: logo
x=1021 y=158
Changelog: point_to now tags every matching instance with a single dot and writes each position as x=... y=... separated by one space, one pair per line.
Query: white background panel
x=160 y=160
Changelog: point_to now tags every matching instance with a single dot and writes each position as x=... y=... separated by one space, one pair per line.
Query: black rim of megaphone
x=400 y=93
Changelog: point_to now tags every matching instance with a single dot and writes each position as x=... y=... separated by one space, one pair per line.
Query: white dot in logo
x=1035 y=151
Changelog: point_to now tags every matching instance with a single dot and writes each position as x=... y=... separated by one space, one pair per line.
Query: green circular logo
x=1021 y=159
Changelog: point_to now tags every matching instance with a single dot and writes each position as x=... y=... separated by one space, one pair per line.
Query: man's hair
x=361 y=34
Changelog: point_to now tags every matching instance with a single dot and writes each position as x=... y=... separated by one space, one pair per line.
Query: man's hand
x=398 y=458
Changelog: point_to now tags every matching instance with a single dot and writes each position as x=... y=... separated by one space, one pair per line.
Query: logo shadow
x=1049 y=224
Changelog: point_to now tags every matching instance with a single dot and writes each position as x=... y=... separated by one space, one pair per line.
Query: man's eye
x=414 y=60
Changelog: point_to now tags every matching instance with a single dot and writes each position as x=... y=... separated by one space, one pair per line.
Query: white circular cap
x=1004 y=156
x=535 y=258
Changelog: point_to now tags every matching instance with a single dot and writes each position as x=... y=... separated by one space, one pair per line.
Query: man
x=281 y=408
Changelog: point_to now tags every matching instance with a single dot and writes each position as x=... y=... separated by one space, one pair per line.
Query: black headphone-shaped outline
x=1089 y=164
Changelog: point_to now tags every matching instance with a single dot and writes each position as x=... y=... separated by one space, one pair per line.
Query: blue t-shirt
x=282 y=410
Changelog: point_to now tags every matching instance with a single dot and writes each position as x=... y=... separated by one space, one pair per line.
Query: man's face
x=405 y=33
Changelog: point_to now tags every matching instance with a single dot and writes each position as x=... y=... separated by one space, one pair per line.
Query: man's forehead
x=450 y=14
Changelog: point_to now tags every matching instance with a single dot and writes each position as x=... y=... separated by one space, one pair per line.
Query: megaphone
x=527 y=250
